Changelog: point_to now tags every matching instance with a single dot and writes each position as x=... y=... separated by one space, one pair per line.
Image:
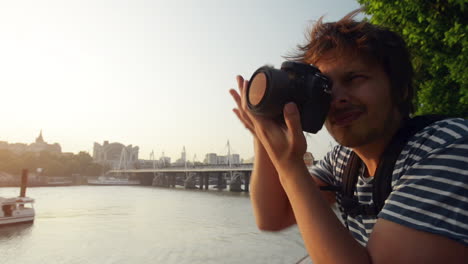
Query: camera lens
x=257 y=88
x=267 y=92
x=270 y=89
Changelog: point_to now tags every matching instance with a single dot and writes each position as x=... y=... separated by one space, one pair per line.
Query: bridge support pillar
x=173 y=180
x=247 y=181
x=220 y=180
x=207 y=180
x=200 y=180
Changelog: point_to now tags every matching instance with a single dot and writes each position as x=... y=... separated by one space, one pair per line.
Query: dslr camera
x=270 y=89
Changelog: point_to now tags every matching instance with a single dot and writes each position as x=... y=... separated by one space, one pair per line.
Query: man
x=425 y=218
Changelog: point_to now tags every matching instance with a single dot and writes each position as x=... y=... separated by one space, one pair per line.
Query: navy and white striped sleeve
x=432 y=194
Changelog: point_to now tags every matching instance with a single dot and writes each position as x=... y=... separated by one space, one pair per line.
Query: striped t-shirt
x=429 y=183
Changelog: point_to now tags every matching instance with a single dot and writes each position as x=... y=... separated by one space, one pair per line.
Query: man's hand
x=285 y=145
x=270 y=203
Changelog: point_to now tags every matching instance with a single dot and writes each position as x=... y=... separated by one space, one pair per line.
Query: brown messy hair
x=371 y=42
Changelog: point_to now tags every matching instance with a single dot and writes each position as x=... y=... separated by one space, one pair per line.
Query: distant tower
x=39 y=139
x=183 y=156
x=229 y=154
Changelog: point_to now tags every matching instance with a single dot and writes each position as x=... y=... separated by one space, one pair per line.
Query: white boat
x=16 y=210
x=108 y=180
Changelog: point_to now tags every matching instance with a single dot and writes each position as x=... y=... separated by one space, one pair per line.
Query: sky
x=153 y=74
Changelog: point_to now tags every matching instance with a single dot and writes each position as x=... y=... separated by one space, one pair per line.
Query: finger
x=244 y=118
x=292 y=119
x=240 y=82
x=241 y=113
x=241 y=99
x=245 y=84
x=236 y=97
x=242 y=86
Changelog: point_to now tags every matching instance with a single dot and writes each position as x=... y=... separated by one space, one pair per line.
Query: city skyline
x=42 y=145
x=151 y=74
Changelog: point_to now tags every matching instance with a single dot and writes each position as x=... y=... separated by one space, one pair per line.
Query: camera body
x=270 y=89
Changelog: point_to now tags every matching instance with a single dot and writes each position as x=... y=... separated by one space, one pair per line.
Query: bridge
x=205 y=168
x=191 y=176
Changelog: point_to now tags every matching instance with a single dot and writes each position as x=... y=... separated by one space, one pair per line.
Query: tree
x=53 y=164
x=54 y=167
x=93 y=169
x=436 y=32
x=6 y=157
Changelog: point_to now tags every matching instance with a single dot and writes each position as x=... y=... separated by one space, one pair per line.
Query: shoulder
x=440 y=134
x=438 y=150
x=447 y=135
x=430 y=181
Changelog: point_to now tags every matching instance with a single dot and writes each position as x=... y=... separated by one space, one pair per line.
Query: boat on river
x=108 y=180
x=16 y=210
x=19 y=209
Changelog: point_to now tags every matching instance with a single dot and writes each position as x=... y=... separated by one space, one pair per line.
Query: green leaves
x=53 y=164
x=436 y=33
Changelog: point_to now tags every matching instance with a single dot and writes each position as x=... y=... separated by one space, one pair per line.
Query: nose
x=340 y=96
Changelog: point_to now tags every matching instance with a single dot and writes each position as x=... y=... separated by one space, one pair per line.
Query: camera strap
x=381 y=187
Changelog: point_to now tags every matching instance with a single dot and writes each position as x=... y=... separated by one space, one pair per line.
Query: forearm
x=326 y=239
x=270 y=203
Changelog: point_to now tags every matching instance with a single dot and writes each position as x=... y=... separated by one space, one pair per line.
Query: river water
x=143 y=224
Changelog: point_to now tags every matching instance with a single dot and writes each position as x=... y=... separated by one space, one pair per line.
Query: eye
x=356 y=77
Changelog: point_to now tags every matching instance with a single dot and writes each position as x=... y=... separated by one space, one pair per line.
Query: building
x=162 y=162
x=165 y=161
x=214 y=159
x=183 y=158
x=116 y=155
x=211 y=159
x=40 y=145
x=235 y=159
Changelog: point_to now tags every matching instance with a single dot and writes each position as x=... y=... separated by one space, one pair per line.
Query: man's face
x=362 y=111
